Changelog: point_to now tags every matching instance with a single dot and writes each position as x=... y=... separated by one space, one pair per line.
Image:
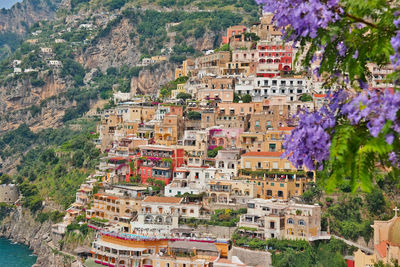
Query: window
x=247 y=165
x=272 y=147
x=275 y=165
x=302 y=222
x=287 y=166
x=290 y=221
x=257 y=123
x=259 y=165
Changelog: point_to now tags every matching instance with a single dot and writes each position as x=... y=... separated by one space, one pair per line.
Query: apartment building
x=169 y=130
x=191 y=180
x=159 y=162
x=230 y=192
x=278 y=219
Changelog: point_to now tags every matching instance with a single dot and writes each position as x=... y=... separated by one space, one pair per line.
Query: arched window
x=302 y=222
x=148 y=219
x=290 y=221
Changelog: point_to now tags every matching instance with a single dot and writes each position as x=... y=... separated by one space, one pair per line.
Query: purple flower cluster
x=394 y=159
x=305 y=17
x=395 y=42
x=310 y=142
x=375 y=109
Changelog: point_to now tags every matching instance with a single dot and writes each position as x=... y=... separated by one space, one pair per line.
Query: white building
x=17 y=70
x=263 y=87
x=191 y=180
x=54 y=63
x=226 y=162
x=159 y=215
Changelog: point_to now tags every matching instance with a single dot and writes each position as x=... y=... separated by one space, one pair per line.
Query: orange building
x=234 y=31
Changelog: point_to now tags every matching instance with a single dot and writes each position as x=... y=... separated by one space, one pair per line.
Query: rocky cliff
x=23 y=15
x=17 y=98
x=21 y=227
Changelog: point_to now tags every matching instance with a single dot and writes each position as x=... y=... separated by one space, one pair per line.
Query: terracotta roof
x=262 y=154
x=381 y=248
x=319 y=95
x=118 y=158
x=286 y=128
x=163 y=199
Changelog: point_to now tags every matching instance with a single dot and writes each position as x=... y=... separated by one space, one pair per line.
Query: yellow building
x=115 y=209
x=271 y=161
x=179 y=89
x=159 y=58
x=169 y=131
x=185 y=69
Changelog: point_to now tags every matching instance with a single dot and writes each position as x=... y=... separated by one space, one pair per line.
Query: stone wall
x=251 y=257
x=217 y=231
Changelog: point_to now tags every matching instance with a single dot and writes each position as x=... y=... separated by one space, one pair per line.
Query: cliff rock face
x=150 y=80
x=17 y=97
x=21 y=227
x=114 y=50
x=23 y=15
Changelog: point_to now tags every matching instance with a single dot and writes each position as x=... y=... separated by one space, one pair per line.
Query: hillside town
x=212 y=148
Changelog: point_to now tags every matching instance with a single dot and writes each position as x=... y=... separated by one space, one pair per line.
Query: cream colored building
x=386 y=243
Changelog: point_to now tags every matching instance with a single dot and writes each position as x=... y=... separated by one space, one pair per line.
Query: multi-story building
x=119 y=250
x=159 y=162
x=280 y=186
x=195 y=145
x=273 y=58
x=267 y=216
x=161 y=214
x=220 y=95
x=230 y=192
x=263 y=87
x=302 y=221
x=191 y=180
x=212 y=63
x=112 y=249
x=379 y=75
x=269 y=161
x=186 y=68
x=114 y=208
x=264 y=140
x=224 y=137
x=277 y=219
x=234 y=32
x=169 y=130
x=226 y=163
x=135 y=113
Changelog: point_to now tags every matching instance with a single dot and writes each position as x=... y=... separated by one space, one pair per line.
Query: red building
x=159 y=162
x=274 y=59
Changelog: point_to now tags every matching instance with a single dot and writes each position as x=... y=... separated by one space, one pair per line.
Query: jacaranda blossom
x=374 y=108
x=304 y=17
x=309 y=143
